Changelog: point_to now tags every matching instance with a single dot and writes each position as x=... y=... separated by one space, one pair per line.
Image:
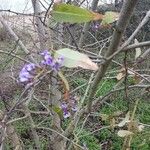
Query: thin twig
x=52 y=130
x=144 y=21
x=14 y=55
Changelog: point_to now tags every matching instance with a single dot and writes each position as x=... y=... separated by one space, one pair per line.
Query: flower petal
x=67 y=115
x=23 y=79
x=30 y=67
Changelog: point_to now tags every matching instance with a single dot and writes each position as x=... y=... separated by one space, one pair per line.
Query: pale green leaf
x=109 y=17
x=73 y=59
x=58 y=110
x=73 y=14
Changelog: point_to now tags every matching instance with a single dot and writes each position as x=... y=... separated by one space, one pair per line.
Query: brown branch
x=120 y=28
x=133 y=46
x=144 y=21
x=18 y=13
x=15 y=37
x=124 y=18
x=126 y=79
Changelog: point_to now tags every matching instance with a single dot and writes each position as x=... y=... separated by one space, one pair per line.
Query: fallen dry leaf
x=137 y=50
x=123 y=133
x=120 y=76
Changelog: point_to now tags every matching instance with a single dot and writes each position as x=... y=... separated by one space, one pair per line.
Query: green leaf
x=109 y=17
x=74 y=59
x=58 y=110
x=73 y=14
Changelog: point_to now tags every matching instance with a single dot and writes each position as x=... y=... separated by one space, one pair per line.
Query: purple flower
x=66 y=113
x=69 y=106
x=58 y=63
x=75 y=108
x=73 y=104
x=30 y=67
x=24 y=76
x=25 y=73
x=48 y=60
x=45 y=52
x=55 y=64
x=96 y=26
x=28 y=72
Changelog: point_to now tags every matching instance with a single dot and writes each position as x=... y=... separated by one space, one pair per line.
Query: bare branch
x=39 y=24
x=124 y=18
x=133 y=46
x=144 y=21
x=87 y=25
x=143 y=56
x=14 y=55
x=15 y=37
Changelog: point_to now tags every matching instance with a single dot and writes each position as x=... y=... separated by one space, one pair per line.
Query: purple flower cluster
x=70 y=106
x=26 y=73
x=48 y=60
x=64 y=107
x=29 y=71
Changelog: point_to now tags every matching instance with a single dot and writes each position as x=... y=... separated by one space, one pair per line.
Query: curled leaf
x=73 y=59
x=125 y=120
x=120 y=76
